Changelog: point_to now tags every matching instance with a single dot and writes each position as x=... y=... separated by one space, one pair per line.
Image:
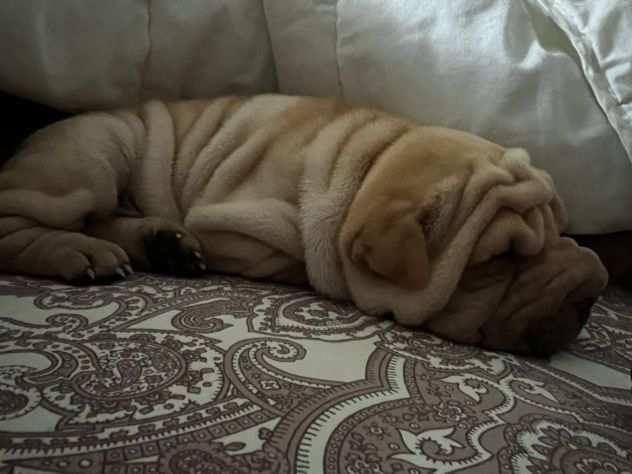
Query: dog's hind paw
x=84 y=260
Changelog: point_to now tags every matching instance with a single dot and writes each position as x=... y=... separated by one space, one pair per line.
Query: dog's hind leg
x=153 y=244
x=60 y=177
x=32 y=249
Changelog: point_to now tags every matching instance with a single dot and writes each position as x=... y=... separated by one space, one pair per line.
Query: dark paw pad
x=174 y=253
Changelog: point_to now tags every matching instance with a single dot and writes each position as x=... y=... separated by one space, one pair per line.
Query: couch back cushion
x=78 y=55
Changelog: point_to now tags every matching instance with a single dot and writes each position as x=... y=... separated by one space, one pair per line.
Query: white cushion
x=601 y=32
x=79 y=55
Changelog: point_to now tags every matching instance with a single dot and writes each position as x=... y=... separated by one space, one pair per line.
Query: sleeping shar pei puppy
x=440 y=228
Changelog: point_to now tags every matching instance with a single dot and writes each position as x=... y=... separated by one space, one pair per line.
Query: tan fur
x=391 y=243
x=359 y=203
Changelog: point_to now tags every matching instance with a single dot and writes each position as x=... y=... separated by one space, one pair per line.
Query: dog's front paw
x=174 y=252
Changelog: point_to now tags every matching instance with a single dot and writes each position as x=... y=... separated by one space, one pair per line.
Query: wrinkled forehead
x=457 y=141
x=427 y=155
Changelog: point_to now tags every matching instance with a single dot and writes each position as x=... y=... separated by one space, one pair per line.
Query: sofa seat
x=167 y=375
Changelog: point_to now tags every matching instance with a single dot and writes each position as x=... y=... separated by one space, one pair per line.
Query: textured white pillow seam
x=606 y=97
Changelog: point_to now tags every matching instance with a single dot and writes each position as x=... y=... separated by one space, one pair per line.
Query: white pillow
x=78 y=55
x=601 y=32
x=500 y=69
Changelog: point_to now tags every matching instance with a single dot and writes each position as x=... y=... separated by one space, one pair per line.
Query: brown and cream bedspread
x=165 y=375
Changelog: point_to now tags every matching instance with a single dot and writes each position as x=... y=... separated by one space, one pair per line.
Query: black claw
x=87 y=278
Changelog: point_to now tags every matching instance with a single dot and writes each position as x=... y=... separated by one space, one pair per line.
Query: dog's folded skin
x=441 y=228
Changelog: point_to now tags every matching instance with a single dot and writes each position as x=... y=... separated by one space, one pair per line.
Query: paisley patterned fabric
x=223 y=375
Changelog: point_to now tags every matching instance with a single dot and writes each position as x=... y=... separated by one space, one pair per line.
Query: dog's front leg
x=256 y=239
x=153 y=244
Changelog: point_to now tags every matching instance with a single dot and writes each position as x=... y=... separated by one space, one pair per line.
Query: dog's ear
x=392 y=244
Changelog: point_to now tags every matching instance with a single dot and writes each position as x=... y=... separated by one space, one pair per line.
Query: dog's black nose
x=583 y=309
x=543 y=338
x=548 y=335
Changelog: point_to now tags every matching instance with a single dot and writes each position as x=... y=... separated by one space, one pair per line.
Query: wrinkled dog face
x=531 y=306
x=439 y=200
